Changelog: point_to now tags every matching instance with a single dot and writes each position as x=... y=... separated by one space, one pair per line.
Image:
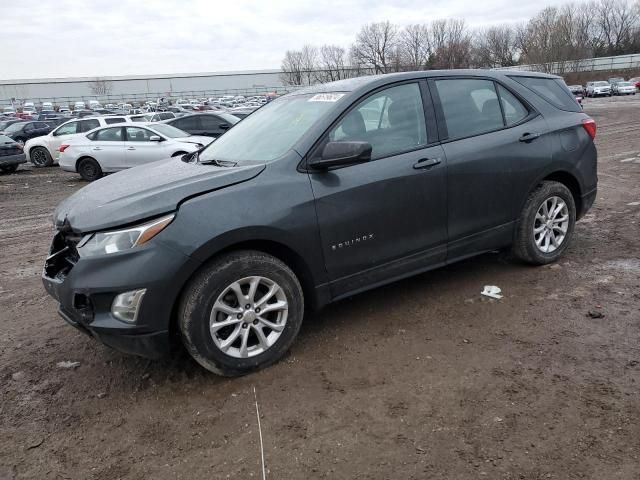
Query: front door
x=386 y=218
x=139 y=147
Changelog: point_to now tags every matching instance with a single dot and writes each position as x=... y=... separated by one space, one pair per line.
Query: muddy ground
x=420 y=379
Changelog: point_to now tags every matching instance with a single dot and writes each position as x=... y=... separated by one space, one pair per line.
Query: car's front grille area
x=63 y=255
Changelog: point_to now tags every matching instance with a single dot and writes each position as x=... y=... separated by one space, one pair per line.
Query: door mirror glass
x=338 y=154
x=155 y=138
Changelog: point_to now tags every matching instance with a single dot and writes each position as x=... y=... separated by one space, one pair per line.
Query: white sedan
x=118 y=147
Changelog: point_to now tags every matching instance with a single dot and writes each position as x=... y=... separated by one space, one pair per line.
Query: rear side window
x=553 y=90
x=514 y=110
x=187 y=123
x=470 y=106
x=67 y=129
x=107 y=135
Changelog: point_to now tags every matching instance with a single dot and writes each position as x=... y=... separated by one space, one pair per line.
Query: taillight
x=63 y=147
x=590 y=127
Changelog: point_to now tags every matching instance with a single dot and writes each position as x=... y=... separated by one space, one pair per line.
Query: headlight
x=118 y=240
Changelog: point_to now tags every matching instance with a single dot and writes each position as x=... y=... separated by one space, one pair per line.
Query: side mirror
x=155 y=138
x=224 y=126
x=338 y=154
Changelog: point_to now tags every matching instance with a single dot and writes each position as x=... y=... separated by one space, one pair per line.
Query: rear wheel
x=546 y=224
x=241 y=313
x=9 y=168
x=89 y=169
x=40 y=157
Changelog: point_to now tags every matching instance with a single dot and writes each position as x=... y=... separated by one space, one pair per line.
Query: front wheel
x=546 y=224
x=89 y=169
x=241 y=313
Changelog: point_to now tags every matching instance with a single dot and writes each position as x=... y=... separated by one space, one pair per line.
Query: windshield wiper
x=218 y=163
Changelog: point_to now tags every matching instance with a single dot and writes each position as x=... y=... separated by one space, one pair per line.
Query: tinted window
x=108 y=135
x=67 y=129
x=136 y=134
x=514 y=110
x=470 y=106
x=110 y=120
x=187 y=123
x=86 y=125
x=41 y=125
x=392 y=121
x=209 y=122
x=553 y=90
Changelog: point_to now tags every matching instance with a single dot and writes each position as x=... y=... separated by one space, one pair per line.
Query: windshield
x=601 y=84
x=624 y=84
x=16 y=127
x=169 y=131
x=272 y=130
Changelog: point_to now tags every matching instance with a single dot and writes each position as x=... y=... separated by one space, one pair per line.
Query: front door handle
x=427 y=163
x=97 y=148
x=529 y=137
x=131 y=148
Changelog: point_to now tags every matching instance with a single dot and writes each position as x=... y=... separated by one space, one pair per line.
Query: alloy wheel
x=551 y=224
x=248 y=317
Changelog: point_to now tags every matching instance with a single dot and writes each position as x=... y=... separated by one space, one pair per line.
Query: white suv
x=43 y=151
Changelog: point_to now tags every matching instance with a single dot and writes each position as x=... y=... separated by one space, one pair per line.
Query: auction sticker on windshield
x=326 y=97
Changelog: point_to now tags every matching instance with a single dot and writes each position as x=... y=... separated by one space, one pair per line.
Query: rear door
x=385 y=218
x=488 y=133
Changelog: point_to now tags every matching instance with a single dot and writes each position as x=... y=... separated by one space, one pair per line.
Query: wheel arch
x=83 y=157
x=571 y=182
x=277 y=249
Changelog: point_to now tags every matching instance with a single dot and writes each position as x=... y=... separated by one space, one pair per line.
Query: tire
x=9 y=168
x=89 y=169
x=40 y=157
x=212 y=286
x=524 y=245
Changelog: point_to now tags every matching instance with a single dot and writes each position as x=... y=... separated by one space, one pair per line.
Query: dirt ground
x=420 y=379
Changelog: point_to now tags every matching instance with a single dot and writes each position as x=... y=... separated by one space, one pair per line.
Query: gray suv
x=319 y=195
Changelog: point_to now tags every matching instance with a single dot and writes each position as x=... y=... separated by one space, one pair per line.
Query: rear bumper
x=13 y=159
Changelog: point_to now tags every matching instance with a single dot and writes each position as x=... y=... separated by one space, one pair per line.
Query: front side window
x=272 y=130
x=514 y=110
x=86 y=125
x=391 y=120
x=136 y=134
x=470 y=106
x=67 y=129
x=108 y=135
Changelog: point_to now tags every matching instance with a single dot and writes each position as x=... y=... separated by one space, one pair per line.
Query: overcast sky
x=67 y=38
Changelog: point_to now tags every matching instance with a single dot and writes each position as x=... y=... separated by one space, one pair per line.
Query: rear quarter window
x=553 y=90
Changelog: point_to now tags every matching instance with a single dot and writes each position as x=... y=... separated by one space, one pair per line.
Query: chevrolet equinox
x=321 y=194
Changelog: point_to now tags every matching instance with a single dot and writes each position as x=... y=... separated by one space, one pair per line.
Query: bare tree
x=375 y=45
x=333 y=63
x=496 y=47
x=309 y=57
x=101 y=86
x=415 y=46
x=451 y=43
x=292 y=68
x=617 y=22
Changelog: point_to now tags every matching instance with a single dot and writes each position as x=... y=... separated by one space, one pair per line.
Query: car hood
x=144 y=192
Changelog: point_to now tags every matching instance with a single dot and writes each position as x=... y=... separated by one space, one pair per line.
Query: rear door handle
x=97 y=148
x=529 y=137
x=131 y=148
x=427 y=163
